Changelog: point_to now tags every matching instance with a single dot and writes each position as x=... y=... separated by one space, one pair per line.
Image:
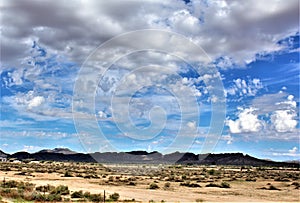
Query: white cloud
x=35 y=102
x=284 y=120
x=102 y=114
x=36 y=134
x=293 y=151
x=271 y=116
x=241 y=87
x=227 y=138
x=246 y=122
x=31 y=148
x=191 y=124
x=280 y=108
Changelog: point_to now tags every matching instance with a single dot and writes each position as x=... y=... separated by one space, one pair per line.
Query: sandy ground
x=239 y=191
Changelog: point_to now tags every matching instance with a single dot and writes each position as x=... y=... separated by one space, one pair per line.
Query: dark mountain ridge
x=155 y=157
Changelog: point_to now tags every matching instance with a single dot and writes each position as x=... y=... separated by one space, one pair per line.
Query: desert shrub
x=5 y=191
x=97 y=197
x=132 y=183
x=225 y=185
x=10 y=193
x=9 y=184
x=114 y=197
x=45 y=188
x=188 y=184
x=167 y=185
x=61 y=190
x=68 y=174
x=22 y=173
x=281 y=179
x=211 y=172
x=129 y=200
x=272 y=187
x=67 y=199
x=25 y=186
x=194 y=185
x=53 y=197
x=111 y=178
x=87 y=194
x=212 y=185
x=153 y=186
x=250 y=179
x=199 y=200
x=77 y=194
x=88 y=176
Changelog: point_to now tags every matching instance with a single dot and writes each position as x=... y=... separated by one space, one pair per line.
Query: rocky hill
x=63 y=154
x=58 y=151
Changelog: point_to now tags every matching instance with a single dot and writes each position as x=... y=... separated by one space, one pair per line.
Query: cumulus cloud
x=281 y=108
x=276 y=115
x=246 y=122
x=284 y=120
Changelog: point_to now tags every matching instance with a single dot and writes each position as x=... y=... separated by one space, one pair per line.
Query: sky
x=201 y=76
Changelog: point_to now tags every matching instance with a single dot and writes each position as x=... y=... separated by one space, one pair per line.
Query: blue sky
x=81 y=75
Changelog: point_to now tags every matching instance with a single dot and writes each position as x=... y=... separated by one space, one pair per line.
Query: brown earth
x=116 y=178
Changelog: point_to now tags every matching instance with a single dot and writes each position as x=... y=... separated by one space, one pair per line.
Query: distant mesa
x=58 y=151
x=144 y=157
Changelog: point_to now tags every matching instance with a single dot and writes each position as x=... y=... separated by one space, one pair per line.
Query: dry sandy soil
x=114 y=178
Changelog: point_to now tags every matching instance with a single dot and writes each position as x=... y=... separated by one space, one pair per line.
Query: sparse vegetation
x=17 y=183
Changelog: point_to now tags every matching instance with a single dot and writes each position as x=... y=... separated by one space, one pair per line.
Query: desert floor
x=133 y=181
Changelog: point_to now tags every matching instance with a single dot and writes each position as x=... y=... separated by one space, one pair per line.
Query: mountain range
x=65 y=154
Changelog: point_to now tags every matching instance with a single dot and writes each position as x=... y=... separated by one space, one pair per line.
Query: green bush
x=153 y=186
x=225 y=185
x=114 y=197
x=9 y=184
x=87 y=195
x=97 y=197
x=131 y=183
x=45 y=188
x=212 y=185
x=211 y=172
x=68 y=174
x=167 y=185
x=77 y=194
x=53 y=197
x=188 y=184
x=61 y=190
x=28 y=187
